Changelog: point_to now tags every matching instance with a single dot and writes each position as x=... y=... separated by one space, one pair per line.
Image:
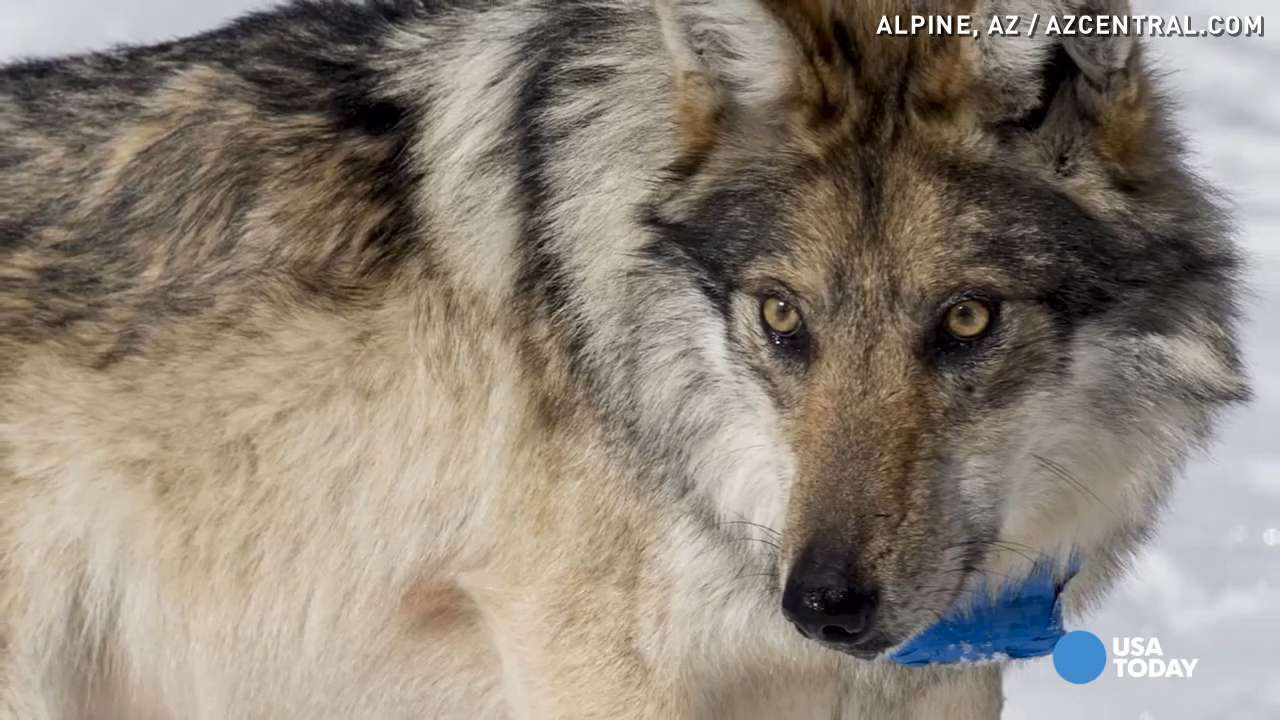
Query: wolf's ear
x=1074 y=89
x=726 y=53
x=1103 y=59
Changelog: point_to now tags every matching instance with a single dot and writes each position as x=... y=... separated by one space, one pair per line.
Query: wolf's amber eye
x=781 y=316
x=968 y=320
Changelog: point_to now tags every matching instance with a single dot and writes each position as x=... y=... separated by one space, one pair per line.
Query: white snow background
x=1209 y=587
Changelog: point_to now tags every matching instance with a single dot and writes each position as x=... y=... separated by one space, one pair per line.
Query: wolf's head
x=933 y=308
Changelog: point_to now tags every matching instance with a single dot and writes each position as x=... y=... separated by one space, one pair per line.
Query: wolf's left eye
x=781 y=317
x=968 y=320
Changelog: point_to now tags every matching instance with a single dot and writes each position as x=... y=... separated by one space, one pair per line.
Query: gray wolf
x=561 y=359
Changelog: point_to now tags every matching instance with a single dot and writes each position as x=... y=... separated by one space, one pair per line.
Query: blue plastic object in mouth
x=1022 y=621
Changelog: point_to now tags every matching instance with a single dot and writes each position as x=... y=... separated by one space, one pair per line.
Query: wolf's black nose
x=827 y=605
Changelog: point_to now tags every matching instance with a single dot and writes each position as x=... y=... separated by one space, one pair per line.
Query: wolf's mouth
x=867 y=646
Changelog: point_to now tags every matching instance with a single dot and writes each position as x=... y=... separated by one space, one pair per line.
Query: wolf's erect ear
x=1073 y=88
x=726 y=52
x=1028 y=70
x=1102 y=58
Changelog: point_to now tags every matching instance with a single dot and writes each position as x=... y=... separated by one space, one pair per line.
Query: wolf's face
x=941 y=308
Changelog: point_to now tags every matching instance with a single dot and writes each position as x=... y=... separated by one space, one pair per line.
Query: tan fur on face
x=868 y=413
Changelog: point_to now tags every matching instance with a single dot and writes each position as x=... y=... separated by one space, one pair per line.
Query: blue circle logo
x=1079 y=657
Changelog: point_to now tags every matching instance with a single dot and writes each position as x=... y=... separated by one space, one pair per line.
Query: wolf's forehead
x=896 y=223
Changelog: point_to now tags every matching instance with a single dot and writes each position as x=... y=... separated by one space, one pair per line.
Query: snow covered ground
x=1210 y=586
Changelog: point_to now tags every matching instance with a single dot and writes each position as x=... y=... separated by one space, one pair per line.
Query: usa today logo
x=1080 y=657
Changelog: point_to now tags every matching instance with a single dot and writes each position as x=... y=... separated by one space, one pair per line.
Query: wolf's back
x=176 y=184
